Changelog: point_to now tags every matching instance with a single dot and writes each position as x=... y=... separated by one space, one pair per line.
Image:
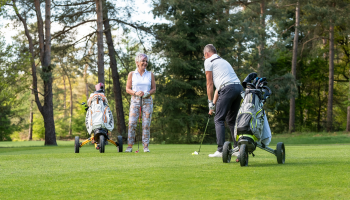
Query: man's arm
x=210 y=84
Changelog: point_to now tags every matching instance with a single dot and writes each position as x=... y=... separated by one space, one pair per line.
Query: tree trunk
x=86 y=75
x=319 y=108
x=45 y=55
x=30 y=132
x=188 y=123
x=262 y=37
x=45 y=58
x=71 y=106
x=331 y=77
x=100 y=53
x=115 y=76
x=294 y=69
x=86 y=83
x=64 y=97
x=348 y=114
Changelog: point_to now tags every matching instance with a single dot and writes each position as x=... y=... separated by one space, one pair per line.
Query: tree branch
x=309 y=41
x=73 y=4
x=288 y=29
x=70 y=28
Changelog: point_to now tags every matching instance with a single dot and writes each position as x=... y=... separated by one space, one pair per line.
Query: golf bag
x=251 y=115
x=99 y=114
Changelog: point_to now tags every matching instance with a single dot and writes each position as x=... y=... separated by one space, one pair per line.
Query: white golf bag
x=99 y=114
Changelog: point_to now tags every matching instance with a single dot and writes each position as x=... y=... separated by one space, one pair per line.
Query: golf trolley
x=99 y=137
x=249 y=127
x=247 y=145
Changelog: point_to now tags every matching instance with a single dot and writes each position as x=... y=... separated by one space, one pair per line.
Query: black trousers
x=227 y=107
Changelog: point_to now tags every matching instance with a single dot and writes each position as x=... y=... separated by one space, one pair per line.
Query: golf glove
x=147 y=94
x=211 y=105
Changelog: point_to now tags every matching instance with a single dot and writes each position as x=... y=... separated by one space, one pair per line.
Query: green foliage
x=181 y=83
x=12 y=86
x=38 y=127
x=78 y=122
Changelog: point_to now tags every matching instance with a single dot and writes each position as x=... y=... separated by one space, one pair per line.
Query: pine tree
x=181 y=83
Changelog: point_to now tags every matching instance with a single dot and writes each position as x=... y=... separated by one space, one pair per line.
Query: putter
x=203 y=135
x=140 y=117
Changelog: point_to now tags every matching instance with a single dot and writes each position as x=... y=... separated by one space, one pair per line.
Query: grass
x=170 y=172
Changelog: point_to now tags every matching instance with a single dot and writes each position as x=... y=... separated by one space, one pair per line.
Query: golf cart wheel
x=76 y=144
x=102 y=143
x=243 y=151
x=120 y=143
x=226 y=152
x=280 y=153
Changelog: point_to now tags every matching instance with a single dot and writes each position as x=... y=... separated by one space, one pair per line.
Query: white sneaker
x=146 y=149
x=216 y=154
x=235 y=153
x=128 y=150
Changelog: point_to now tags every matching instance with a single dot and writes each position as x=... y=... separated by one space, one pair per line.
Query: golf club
x=196 y=153
x=140 y=120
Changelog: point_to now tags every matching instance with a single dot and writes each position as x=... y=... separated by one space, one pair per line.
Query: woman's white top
x=141 y=83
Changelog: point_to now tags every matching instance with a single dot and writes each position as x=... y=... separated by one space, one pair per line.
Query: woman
x=141 y=83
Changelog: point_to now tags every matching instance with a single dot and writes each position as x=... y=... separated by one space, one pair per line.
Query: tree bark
x=71 y=106
x=45 y=58
x=262 y=37
x=294 y=68
x=331 y=77
x=86 y=75
x=115 y=76
x=64 y=97
x=100 y=53
x=86 y=83
x=30 y=132
x=348 y=114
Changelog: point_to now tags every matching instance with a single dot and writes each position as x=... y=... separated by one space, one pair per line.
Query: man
x=228 y=86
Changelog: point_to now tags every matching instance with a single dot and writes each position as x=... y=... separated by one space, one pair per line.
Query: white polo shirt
x=222 y=71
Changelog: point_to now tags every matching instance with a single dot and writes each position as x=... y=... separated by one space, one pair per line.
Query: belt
x=229 y=83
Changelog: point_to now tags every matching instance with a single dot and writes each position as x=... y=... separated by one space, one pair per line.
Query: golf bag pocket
x=258 y=124
x=243 y=123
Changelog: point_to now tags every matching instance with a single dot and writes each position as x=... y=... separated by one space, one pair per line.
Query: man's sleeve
x=208 y=66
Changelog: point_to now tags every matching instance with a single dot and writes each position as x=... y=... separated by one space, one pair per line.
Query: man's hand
x=211 y=106
x=211 y=112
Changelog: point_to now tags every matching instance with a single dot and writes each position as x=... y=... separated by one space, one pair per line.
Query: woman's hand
x=139 y=93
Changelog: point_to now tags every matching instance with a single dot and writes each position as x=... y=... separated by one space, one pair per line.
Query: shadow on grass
x=293 y=164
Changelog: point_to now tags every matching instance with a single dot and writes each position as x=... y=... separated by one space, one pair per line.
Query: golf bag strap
x=216 y=58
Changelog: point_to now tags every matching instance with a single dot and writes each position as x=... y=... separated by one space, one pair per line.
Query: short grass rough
x=311 y=171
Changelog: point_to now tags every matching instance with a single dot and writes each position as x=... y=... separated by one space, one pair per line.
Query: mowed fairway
x=171 y=172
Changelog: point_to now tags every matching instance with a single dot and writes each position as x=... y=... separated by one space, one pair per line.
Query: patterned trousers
x=147 y=109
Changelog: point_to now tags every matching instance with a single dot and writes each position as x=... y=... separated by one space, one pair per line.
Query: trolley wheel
x=120 y=143
x=226 y=152
x=243 y=151
x=102 y=143
x=76 y=144
x=280 y=153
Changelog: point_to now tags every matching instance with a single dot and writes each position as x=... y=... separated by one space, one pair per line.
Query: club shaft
x=204 y=134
